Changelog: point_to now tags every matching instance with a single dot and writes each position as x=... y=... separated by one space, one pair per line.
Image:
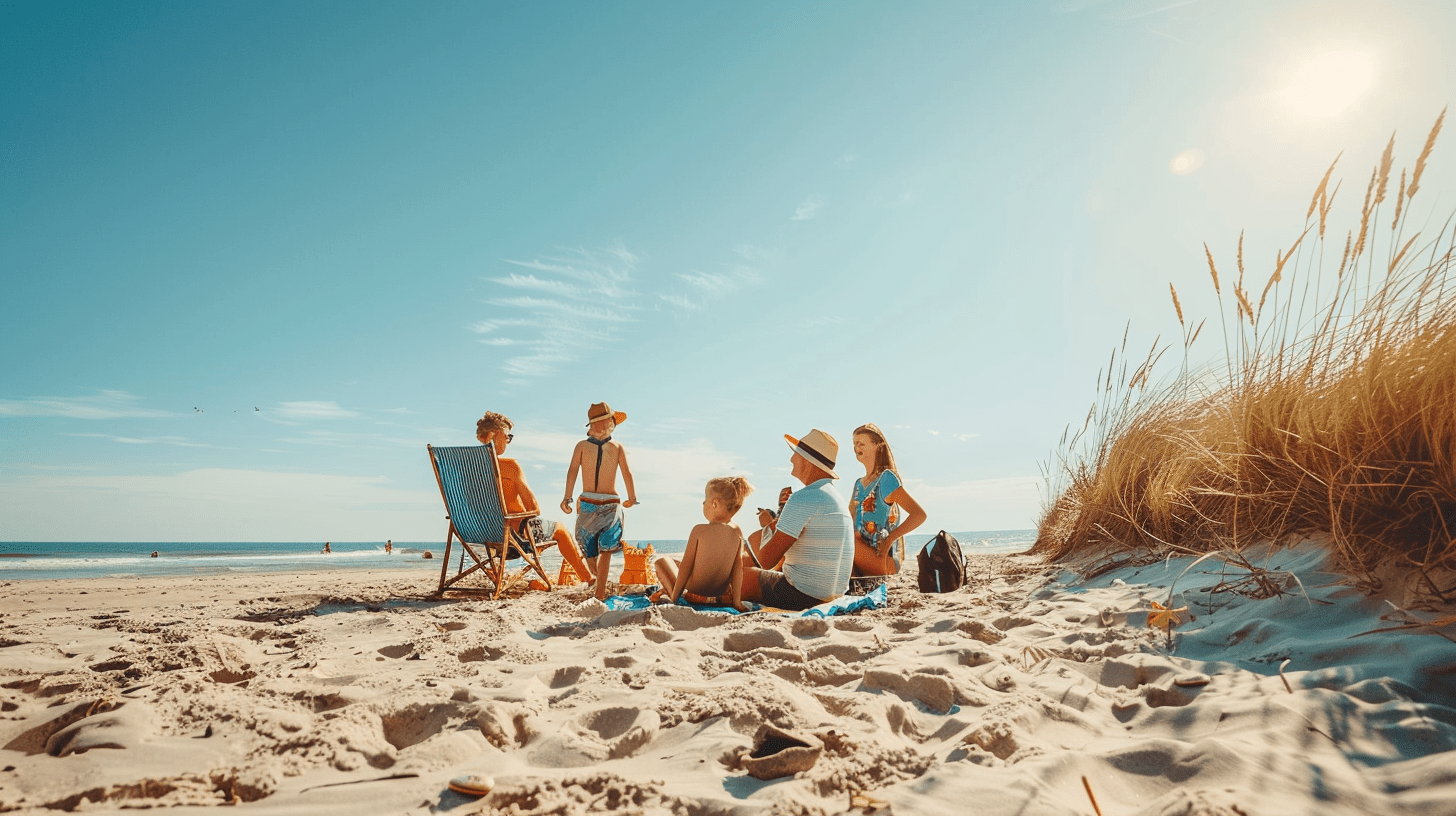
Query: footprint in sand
x=127 y=725
x=933 y=691
x=416 y=723
x=756 y=639
x=596 y=736
x=563 y=677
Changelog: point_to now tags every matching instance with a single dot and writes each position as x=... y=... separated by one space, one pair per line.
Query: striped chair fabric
x=469 y=479
x=470 y=484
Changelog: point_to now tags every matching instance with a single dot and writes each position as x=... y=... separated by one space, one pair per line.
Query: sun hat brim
x=818 y=459
x=617 y=417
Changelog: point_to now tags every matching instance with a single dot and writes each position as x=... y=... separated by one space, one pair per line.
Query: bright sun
x=1329 y=83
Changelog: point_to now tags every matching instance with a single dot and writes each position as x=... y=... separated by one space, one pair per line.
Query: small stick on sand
x=373 y=779
x=1287 y=687
x=1088 y=786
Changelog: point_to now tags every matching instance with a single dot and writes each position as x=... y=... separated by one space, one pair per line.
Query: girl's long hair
x=884 y=459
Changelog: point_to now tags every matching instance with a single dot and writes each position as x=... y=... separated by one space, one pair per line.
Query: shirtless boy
x=711 y=570
x=599 y=523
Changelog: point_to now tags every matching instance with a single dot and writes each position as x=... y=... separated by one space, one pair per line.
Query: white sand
x=997 y=699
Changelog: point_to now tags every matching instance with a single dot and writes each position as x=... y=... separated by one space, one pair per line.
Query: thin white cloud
x=565 y=305
x=699 y=288
x=488 y=326
x=104 y=405
x=757 y=254
x=536 y=365
x=711 y=283
x=564 y=309
x=176 y=441
x=681 y=302
x=808 y=209
x=312 y=409
x=544 y=285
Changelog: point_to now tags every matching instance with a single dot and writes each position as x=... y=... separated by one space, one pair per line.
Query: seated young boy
x=494 y=429
x=711 y=569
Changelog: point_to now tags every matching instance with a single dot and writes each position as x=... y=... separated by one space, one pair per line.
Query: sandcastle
x=567 y=576
x=637 y=565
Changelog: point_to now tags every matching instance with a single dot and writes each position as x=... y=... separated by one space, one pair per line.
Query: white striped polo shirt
x=820 y=559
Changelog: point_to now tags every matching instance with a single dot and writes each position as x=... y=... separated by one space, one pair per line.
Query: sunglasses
x=510 y=437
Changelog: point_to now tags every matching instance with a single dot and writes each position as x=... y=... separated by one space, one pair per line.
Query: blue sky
x=257 y=255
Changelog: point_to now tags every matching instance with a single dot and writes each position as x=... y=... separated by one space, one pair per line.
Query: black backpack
x=942 y=564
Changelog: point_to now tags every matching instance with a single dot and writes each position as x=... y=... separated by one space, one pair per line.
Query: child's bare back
x=710 y=572
x=711 y=569
x=598 y=462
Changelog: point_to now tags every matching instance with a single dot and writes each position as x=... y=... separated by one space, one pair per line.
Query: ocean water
x=28 y=560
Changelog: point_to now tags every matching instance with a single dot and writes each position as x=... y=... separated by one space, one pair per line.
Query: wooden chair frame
x=489 y=556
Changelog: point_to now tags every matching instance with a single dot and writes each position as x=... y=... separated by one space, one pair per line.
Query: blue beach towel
x=843 y=605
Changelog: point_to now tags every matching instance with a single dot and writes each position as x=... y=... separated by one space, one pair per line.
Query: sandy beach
x=277 y=694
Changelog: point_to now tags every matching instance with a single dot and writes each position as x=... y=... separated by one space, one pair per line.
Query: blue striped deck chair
x=469 y=480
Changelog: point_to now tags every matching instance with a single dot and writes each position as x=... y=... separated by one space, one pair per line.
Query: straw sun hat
x=601 y=410
x=819 y=448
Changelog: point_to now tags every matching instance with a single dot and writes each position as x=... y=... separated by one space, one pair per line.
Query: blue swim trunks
x=599 y=523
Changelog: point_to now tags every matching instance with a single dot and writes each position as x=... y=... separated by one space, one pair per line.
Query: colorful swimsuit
x=874 y=514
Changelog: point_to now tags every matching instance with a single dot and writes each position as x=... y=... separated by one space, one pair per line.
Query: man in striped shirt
x=814 y=534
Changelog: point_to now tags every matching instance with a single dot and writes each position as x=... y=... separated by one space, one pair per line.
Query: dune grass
x=1332 y=409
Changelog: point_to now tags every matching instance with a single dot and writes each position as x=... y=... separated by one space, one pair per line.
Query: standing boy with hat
x=599 y=519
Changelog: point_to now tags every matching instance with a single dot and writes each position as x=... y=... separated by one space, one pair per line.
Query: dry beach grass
x=1330 y=414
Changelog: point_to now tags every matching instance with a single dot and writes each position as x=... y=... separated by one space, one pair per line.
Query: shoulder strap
x=599 y=443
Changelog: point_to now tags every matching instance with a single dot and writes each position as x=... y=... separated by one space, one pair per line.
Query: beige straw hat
x=818 y=447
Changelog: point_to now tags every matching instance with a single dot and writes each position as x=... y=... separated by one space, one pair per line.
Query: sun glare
x=1329 y=83
x=1186 y=162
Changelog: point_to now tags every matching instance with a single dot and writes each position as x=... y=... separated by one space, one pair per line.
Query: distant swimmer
x=154 y=553
x=388 y=547
x=326 y=547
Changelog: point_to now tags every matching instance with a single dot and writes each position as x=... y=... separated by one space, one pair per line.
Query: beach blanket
x=843 y=605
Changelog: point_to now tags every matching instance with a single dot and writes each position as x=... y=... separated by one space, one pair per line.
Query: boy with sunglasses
x=494 y=429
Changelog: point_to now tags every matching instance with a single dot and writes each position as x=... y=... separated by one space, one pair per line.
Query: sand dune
x=282 y=696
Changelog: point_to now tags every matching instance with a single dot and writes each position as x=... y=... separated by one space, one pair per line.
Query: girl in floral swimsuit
x=879 y=543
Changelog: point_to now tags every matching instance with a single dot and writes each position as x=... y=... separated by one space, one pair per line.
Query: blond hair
x=491 y=422
x=731 y=490
x=884 y=459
